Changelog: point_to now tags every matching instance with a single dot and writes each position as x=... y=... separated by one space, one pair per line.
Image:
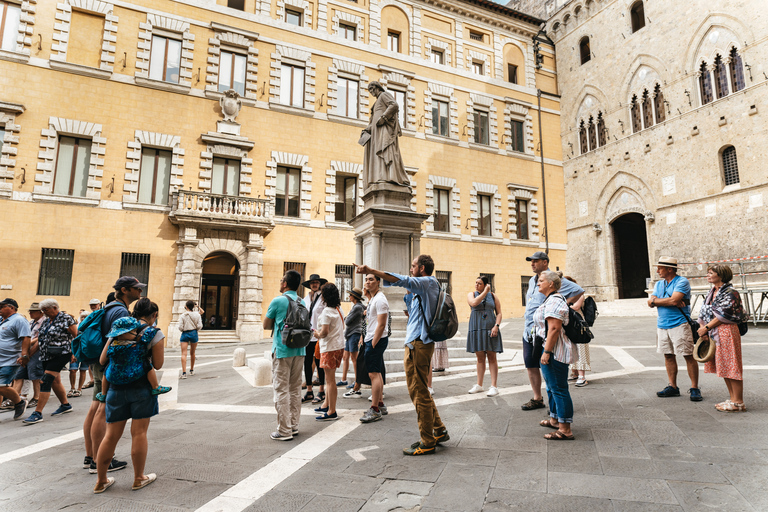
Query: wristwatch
x=707 y=328
x=24 y=356
x=549 y=352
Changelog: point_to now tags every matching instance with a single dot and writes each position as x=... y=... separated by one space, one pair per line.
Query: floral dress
x=725 y=305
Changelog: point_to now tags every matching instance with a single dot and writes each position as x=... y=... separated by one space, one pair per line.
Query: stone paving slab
x=697 y=497
x=648 y=490
x=503 y=500
x=460 y=488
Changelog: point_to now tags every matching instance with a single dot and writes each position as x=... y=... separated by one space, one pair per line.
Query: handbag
x=693 y=324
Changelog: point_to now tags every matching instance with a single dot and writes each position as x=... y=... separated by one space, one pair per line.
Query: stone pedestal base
x=387 y=195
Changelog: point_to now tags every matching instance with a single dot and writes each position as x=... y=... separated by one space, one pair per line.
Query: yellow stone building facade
x=123 y=152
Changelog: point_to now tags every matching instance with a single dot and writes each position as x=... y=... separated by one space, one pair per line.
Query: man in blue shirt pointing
x=419 y=347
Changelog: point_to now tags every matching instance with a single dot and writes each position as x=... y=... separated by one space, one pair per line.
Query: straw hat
x=704 y=350
x=667 y=262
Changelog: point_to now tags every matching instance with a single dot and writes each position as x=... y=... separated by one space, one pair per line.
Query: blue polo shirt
x=426 y=288
x=534 y=298
x=670 y=316
x=13 y=330
x=277 y=311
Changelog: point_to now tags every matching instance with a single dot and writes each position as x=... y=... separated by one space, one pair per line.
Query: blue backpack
x=129 y=362
x=89 y=343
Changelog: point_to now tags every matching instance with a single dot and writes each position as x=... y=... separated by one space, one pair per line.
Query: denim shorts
x=33 y=370
x=351 y=345
x=78 y=366
x=374 y=356
x=7 y=374
x=188 y=337
x=130 y=403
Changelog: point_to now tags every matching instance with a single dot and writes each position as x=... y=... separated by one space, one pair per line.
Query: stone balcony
x=217 y=211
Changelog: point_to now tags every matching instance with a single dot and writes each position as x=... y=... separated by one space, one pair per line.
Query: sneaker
x=114 y=465
x=159 y=390
x=20 y=407
x=420 y=449
x=184 y=375
x=277 y=436
x=321 y=409
x=533 y=404
x=35 y=417
x=383 y=410
x=581 y=383
x=7 y=405
x=441 y=437
x=341 y=383
x=694 y=392
x=32 y=403
x=295 y=431
x=668 y=391
x=351 y=385
x=352 y=394
x=370 y=416
x=475 y=389
x=191 y=373
x=87 y=462
x=370 y=398
x=63 y=409
x=327 y=417
x=493 y=391
x=431 y=391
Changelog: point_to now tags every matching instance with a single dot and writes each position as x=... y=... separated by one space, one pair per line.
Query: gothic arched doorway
x=630 y=248
x=220 y=291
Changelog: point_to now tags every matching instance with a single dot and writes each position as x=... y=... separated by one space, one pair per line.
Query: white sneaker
x=370 y=398
x=493 y=391
x=476 y=389
x=431 y=391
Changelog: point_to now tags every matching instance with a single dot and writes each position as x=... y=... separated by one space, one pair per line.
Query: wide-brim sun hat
x=314 y=277
x=123 y=325
x=704 y=350
x=665 y=261
x=357 y=293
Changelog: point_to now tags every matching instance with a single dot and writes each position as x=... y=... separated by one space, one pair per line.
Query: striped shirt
x=555 y=307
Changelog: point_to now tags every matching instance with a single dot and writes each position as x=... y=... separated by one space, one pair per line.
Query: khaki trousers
x=417 y=369
x=286 y=381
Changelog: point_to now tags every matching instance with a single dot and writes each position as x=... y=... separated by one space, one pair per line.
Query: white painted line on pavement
x=503 y=325
x=624 y=359
x=243 y=409
x=38 y=447
x=357 y=453
x=169 y=400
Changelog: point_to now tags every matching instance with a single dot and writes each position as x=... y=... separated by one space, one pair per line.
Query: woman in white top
x=331 y=338
x=190 y=322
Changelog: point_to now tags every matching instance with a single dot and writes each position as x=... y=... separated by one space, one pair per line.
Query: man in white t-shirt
x=376 y=341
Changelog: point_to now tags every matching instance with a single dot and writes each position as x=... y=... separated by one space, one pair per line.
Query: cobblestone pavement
x=633 y=451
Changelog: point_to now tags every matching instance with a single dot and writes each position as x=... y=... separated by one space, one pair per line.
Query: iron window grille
x=344 y=279
x=491 y=280
x=301 y=269
x=55 y=271
x=136 y=265
x=730 y=166
x=444 y=278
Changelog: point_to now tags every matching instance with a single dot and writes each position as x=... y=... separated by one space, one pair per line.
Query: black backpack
x=297 y=330
x=590 y=311
x=445 y=323
x=577 y=329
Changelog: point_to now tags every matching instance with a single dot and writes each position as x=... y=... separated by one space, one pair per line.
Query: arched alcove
x=219 y=291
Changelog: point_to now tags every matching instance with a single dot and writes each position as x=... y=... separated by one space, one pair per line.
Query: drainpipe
x=543 y=178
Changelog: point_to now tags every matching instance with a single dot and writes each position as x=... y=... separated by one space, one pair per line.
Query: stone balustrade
x=202 y=207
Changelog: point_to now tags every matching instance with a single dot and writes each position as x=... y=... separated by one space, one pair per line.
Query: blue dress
x=481 y=322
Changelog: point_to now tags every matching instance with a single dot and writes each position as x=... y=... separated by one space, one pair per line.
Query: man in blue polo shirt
x=14 y=352
x=533 y=299
x=671 y=297
x=287 y=363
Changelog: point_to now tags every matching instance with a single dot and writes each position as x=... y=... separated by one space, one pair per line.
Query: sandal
x=558 y=436
x=77 y=393
x=88 y=384
x=319 y=398
x=308 y=397
x=548 y=424
x=729 y=406
x=70 y=392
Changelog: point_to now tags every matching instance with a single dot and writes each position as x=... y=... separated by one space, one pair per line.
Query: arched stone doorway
x=220 y=291
x=630 y=247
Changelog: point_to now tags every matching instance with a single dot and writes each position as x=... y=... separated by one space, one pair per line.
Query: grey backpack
x=297 y=330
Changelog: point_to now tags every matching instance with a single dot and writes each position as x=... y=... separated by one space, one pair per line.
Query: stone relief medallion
x=230 y=105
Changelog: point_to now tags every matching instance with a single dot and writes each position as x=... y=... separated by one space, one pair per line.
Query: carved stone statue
x=383 y=162
x=230 y=105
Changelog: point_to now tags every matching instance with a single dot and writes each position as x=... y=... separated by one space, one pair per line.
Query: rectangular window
x=344 y=280
x=225 y=177
x=437 y=56
x=10 y=16
x=292 y=85
x=300 y=268
x=288 y=194
x=232 y=72
x=481 y=127
x=475 y=36
x=440 y=117
x=348 y=31
x=346 y=198
x=442 y=210
x=444 y=278
x=512 y=73
x=477 y=68
x=517 y=137
x=347 y=97
x=484 y=216
x=491 y=280
x=72 y=164
x=136 y=265
x=81 y=47
x=524 y=281
x=55 y=272
x=293 y=17
x=521 y=207
x=401 y=104
x=393 y=41
x=165 y=59
x=154 y=177
x=236 y=4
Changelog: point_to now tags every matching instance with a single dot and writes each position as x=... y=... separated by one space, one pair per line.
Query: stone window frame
x=46 y=167
x=9 y=145
x=305 y=190
x=302 y=5
x=527 y=193
x=165 y=26
x=346 y=17
x=234 y=41
x=348 y=169
x=437 y=44
x=133 y=165
x=296 y=57
x=62 y=29
x=488 y=190
x=26 y=31
x=444 y=93
x=351 y=71
x=455 y=210
x=487 y=105
x=403 y=84
x=473 y=56
x=229 y=152
x=517 y=111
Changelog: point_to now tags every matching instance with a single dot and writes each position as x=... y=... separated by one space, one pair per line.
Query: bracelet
x=549 y=352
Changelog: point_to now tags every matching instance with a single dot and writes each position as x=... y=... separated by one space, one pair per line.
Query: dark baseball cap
x=538 y=255
x=9 y=302
x=128 y=282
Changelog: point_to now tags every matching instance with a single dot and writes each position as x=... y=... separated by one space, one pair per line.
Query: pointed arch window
x=721 y=77
x=637 y=123
x=586 y=53
x=658 y=104
x=592 y=134
x=647 y=110
x=737 y=70
x=602 y=134
x=583 y=138
x=637 y=14
x=705 y=84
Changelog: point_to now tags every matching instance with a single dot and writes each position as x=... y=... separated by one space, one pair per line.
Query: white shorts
x=675 y=341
